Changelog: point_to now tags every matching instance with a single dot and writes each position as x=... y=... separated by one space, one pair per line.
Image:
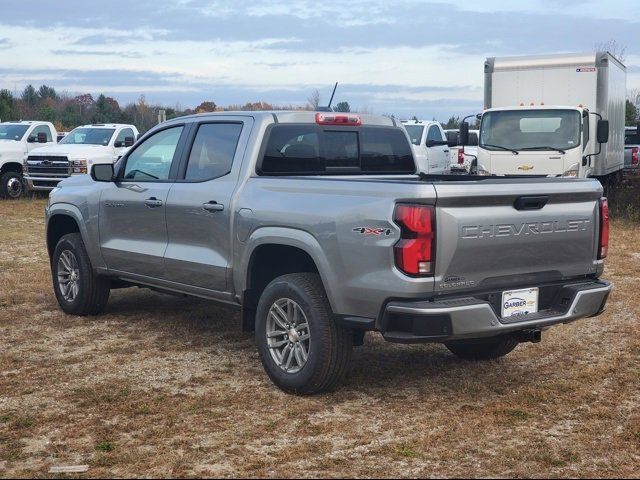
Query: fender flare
x=291 y=237
x=69 y=210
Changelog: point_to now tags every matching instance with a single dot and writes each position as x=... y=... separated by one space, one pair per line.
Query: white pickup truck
x=461 y=157
x=430 y=146
x=76 y=153
x=17 y=139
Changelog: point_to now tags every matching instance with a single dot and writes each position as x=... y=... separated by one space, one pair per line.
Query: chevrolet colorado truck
x=17 y=139
x=317 y=226
x=76 y=153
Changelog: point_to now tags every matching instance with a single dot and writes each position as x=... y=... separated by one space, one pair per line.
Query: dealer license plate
x=519 y=302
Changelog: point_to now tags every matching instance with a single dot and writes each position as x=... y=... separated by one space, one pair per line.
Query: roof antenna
x=328 y=107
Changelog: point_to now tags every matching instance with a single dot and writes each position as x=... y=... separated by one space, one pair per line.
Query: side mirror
x=102 y=172
x=464 y=133
x=128 y=141
x=32 y=139
x=435 y=143
x=118 y=144
x=42 y=137
x=602 y=133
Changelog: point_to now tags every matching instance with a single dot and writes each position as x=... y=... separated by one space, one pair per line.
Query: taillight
x=338 y=119
x=634 y=156
x=415 y=251
x=460 y=156
x=604 y=228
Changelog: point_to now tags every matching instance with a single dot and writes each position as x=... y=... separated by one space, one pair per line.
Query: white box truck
x=553 y=115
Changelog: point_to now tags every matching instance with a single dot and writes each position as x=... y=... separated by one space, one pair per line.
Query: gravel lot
x=166 y=386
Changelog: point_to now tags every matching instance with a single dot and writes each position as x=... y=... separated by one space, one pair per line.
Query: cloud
x=65 y=52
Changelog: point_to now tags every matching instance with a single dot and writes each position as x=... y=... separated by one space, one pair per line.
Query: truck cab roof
x=293 y=116
x=108 y=125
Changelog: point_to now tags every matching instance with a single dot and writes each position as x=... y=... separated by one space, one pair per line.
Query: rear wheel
x=482 y=350
x=11 y=185
x=302 y=349
x=78 y=289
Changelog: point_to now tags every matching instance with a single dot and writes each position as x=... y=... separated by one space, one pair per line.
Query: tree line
x=68 y=111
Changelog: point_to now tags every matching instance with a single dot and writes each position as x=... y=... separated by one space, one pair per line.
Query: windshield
x=88 y=136
x=415 y=133
x=12 y=132
x=530 y=129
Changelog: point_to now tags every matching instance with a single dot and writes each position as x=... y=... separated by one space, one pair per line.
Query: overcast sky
x=408 y=57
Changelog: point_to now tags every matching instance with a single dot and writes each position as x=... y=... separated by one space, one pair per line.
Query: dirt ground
x=164 y=386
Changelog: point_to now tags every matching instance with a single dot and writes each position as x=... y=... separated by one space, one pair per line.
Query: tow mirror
x=452 y=139
x=128 y=141
x=102 y=172
x=464 y=133
x=602 y=133
x=42 y=137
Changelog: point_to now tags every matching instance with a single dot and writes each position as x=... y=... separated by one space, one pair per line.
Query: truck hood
x=73 y=151
x=525 y=163
x=12 y=149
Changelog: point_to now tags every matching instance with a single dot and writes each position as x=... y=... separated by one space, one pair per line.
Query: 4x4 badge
x=373 y=231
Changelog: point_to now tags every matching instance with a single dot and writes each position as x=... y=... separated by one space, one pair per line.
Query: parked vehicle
x=76 y=153
x=17 y=139
x=61 y=135
x=461 y=156
x=631 y=153
x=430 y=146
x=318 y=228
x=551 y=115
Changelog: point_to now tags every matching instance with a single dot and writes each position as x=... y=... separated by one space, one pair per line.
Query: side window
x=434 y=134
x=124 y=133
x=213 y=150
x=42 y=129
x=152 y=159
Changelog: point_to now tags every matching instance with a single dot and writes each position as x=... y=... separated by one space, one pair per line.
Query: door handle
x=153 y=202
x=446 y=151
x=213 y=206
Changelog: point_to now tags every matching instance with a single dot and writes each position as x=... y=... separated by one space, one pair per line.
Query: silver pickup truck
x=317 y=226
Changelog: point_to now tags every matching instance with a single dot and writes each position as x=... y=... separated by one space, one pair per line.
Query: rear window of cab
x=308 y=149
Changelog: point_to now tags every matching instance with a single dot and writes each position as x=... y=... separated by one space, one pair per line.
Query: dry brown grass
x=162 y=386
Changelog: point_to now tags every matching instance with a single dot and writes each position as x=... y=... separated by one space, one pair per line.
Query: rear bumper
x=468 y=318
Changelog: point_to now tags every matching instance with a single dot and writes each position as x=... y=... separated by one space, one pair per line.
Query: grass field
x=165 y=386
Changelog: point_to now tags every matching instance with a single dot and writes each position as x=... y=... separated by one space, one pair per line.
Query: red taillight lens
x=415 y=251
x=634 y=156
x=338 y=119
x=460 y=156
x=604 y=228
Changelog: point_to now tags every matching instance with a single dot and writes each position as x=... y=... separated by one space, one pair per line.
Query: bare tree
x=614 y=48
x=314 y=100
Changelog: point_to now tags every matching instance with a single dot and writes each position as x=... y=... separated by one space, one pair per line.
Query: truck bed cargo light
x=333 y=119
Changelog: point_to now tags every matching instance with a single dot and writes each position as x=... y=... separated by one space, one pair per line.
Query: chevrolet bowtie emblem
x=525 y=167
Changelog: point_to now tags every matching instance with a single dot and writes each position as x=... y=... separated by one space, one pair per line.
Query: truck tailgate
x=494 y=234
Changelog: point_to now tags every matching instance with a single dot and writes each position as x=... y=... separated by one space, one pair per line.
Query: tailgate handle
x=530 y=203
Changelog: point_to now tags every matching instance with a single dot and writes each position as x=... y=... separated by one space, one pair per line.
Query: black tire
x=92 y=290
x=11 y=185
x=330 y=346
x=483 y=350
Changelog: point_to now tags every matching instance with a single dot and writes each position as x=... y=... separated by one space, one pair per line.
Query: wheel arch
x=275 y=251
x=11 y=166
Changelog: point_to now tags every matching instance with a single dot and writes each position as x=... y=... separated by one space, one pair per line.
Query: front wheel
x=78 y=289
x=301 y=348
x=11 y=185
x=482 y=350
